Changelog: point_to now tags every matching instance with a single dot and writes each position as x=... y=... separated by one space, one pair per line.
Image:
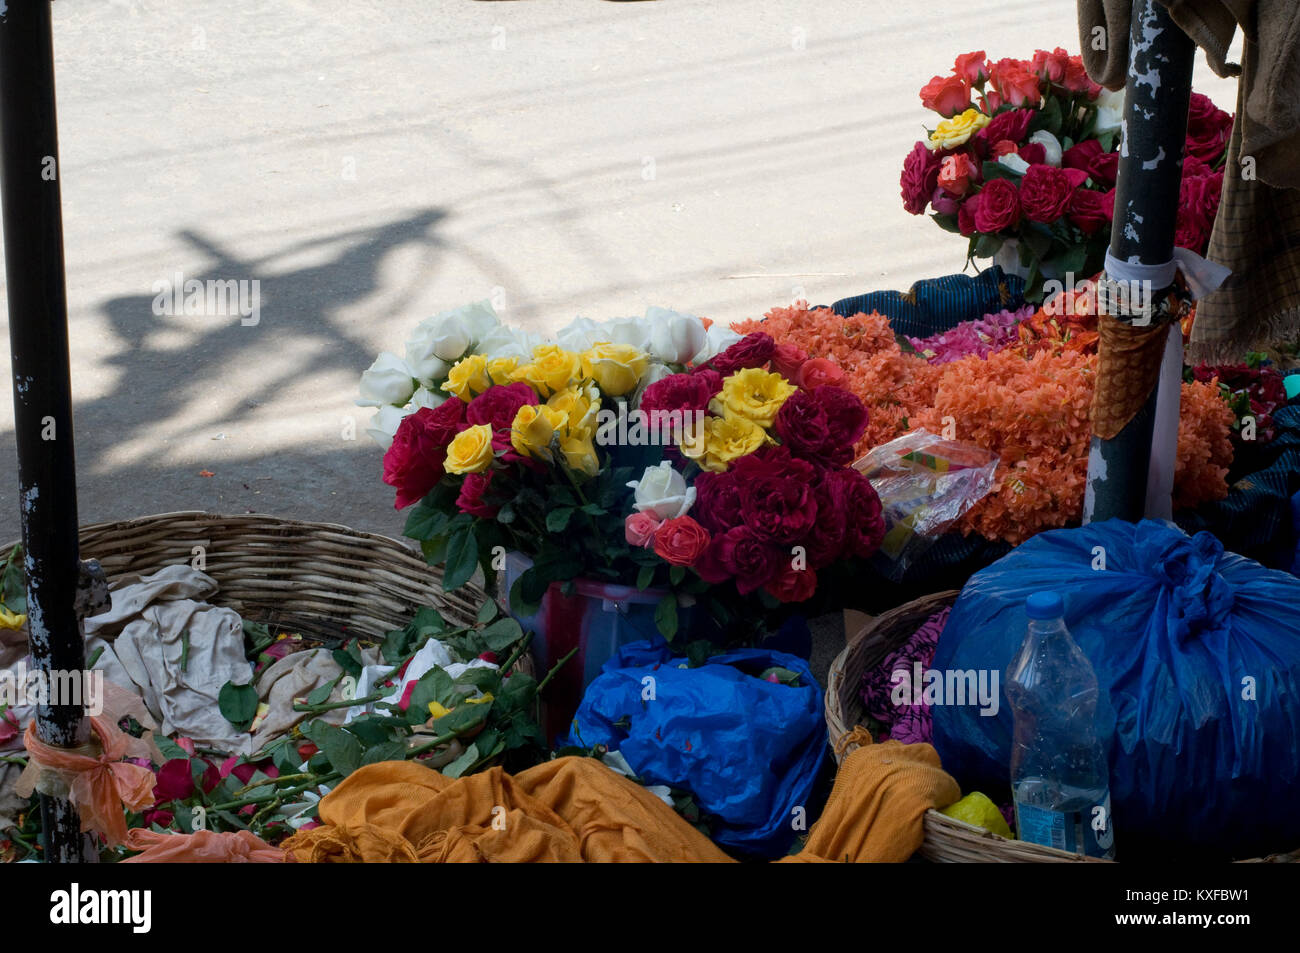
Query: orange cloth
x=99 y=784
x=569 y=809
x=576 y=809
x=201 y=847
x=876 y=811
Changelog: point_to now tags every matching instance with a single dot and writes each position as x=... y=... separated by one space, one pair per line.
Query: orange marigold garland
x=1029 y=404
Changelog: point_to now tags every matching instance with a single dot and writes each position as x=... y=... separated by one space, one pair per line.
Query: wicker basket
x=319 y=579
x=947 y=840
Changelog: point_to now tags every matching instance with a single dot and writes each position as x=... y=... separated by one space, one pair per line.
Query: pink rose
x=946 y=95
x=787 y=359
x=957 y=173
x=972 y=67
x=640 y=529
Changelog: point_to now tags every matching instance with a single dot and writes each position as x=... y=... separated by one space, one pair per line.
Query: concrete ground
x=371 y=164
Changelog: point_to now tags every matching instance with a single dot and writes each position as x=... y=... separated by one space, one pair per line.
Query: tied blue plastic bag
x=1197 y=654
x=749 y=750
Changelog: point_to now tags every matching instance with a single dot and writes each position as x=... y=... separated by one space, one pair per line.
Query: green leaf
x=645 y=576
x=321 y=693
x=372 y=729
x=488 y=611
x=349 y=659
x=462 y=718
x=947 y=222
x=518 y=692
x=501 y=634
x=463 y=763
x=484 y=679
x=987 y=246
x=996 y=170
x=558 y=520
x=434 y=685
x=170 y=749
x=462 y=558
x=677 y=574
x=425 y=520
x=341 y=748
x=238 y=704
x=435 y=550
x=387 y=751
x=666 y=616
x=518 y=604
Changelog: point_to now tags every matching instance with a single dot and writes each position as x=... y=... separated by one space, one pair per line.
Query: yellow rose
x=616 y=368
x=580 y=454
x=954 y=132
x=721 y=440
x=581 y=404
x=468 y=377
x=754 y=394
x=552 y=368
x=470 y=451
x=12 y=620
x=502 y=369
x=533 y=428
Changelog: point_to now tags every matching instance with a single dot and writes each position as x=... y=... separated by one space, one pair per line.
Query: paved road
x=372 y=163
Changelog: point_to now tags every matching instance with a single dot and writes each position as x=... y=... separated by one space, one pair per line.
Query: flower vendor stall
x=594 y=644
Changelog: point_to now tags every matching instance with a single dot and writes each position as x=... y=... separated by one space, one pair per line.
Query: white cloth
x=433 y=653
x=1164 y=435
x=144 y=634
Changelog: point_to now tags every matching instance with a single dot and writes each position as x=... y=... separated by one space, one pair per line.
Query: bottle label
x=1070 y=831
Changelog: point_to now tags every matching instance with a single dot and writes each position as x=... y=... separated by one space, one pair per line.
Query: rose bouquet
x=657 y=453
x=1024 y=160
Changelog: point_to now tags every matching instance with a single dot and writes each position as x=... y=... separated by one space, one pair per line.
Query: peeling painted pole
x=1157 y=95
x=38 y=335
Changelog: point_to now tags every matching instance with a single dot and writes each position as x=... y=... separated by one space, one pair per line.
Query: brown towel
x=1257 y=230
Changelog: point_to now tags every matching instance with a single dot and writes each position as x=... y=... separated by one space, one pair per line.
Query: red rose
x=972 y=67
x=999 y=207
x=1034 y=153
x=946 y=95
x=943 y=203
x=413 y=462
x=966 y=215
x=1053 y=66
x=793 y=585
x=826 y=543
x=684 y=393
x=1089 y=211
x=1045 y=193
x=753 y=350
x=855 y=500
x=717 y=501
x=749 y=559
x=472 y=490
x=820 y=372
x=1208 y=129
x=920 y=175
x=1004 y=147
x=1012 y=125
x=846 y=415
x=802 y=425
x=680 y=541
x=709 y=376
x=1077 y=79
x=1194 y=168
x=1016 y=83
x=957 y=174
x=498 y=405
x=787 y=359
x=778 y=508
x=1198 y=204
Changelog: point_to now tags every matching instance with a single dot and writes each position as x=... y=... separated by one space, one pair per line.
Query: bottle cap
x=1045 y=605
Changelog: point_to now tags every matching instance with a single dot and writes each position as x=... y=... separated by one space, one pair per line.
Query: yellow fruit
x=978 y=810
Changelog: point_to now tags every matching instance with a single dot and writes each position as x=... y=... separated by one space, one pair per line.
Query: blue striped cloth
x=935 y=305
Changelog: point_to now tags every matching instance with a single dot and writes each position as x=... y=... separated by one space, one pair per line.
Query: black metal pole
x=38 y=335
x=1156 y=100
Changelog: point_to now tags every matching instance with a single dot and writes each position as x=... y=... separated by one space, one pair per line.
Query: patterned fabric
x=910 y=721
x=1255 y=519
x=938 y=304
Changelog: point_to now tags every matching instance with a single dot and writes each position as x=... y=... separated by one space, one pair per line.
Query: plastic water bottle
x=1059 y=775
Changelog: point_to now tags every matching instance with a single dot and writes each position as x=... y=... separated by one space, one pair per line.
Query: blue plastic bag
x=1197 y=653
x=749 y=750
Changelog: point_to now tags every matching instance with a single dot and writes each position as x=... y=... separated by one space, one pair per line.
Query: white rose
x=507 y=342
x=443 y=338
x=578 y=335
x=423 y=397
x=717 y=339
x=632 y=331
x=1051 y=145
x=387 y=381
x=663 y=492
x=1110 y=111
x=479 y=320
x=1013 y=162
x=383 y=425
x=674 y=338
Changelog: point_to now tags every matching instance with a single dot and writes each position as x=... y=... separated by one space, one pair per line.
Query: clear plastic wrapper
x=925 y=483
